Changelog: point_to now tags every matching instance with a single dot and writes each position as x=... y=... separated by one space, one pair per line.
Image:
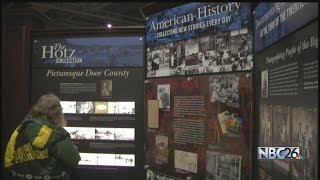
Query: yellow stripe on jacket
x=9 y=155
x=42 y=138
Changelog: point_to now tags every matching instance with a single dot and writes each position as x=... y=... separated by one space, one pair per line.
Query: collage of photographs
x=97 y=107
x=99 y=159
x=99 y=133
x=221 y=52
x=224 y=120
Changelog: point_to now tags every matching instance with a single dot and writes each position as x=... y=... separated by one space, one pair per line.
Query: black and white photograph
x=164 y=59
x=224 y=88
x=223 y=166
x=281 y=133
x=126 y=107
x=155 y=59
x=124 y=134
x=125 y=160
x=265 y=125
x=173 y=57
x=88 y=159
x=264 y=84
x=106 y=159
x=304 y=136
x=191 y=54
x=85 y=107
x=149 y=61
x=87 y=133
x=221 y=52
x=187 y=161
x=101 y=107
x=68 y=106
x=163 y=95
x=113 y=107
x=106 y=88
x=104 y=133
x=161 y=149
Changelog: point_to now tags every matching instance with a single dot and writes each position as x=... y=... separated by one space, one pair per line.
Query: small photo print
x=85 y=107
x=124 y=134
x=264 y=84
x=162 y=151
x=223 y=166
x=106 y=159
x=101 y=107
x=88 y=159
x=163 y=96
x=81 y=132
x=106 y=88
x=125 y=160
x=68 y=106
x=186 y=161
x=104 y=133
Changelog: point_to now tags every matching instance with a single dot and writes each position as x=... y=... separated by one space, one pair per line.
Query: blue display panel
x=273 y=21
x=117 y=51
x=194 y=19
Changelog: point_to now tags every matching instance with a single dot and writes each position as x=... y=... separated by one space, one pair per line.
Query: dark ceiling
x=70 y=15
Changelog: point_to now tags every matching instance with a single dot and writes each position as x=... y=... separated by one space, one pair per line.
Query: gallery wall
x=198 y=92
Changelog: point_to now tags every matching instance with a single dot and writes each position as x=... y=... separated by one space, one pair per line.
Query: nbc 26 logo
x=279 y=153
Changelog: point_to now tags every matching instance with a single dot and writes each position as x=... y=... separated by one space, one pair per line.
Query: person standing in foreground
x=40 y=148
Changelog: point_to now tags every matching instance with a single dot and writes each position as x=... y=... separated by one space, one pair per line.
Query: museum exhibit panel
x=286 y=69
x=199 y=83
x=201 y=91
x=92 y=75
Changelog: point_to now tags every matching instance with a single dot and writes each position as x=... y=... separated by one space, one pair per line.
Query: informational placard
x=273 y=21
x=195 y=125
x=199 y=38
x=289 y=69
x=91 y=76
x=288 y=100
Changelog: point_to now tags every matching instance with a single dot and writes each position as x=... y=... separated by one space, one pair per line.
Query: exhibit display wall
x=203 y=127
x=198 y=92
x=286 y=68
x=91 y=76
x=194 y=98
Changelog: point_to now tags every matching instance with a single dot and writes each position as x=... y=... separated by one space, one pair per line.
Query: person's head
x=106 y=84
x=49 y=105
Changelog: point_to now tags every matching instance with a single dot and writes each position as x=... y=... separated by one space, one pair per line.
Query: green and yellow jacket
x=40 y=148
